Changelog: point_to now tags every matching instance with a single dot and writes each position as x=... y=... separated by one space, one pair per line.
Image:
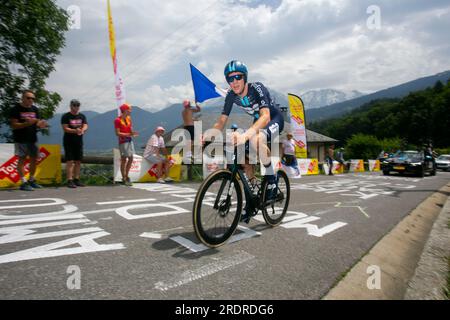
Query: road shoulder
x=396 y=257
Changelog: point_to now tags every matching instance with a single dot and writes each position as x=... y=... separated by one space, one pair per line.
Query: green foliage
x=362 y=146
x=31 y=37
x=442 y=150
x=390 y=144
x=417 y=118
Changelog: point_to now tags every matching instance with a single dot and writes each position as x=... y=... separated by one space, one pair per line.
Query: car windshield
x=444 y=158
x=409 y=155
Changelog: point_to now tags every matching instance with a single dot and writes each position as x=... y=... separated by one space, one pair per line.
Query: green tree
x=391 y=144
x=419 y=117
x=361 y=146
x=31 y=37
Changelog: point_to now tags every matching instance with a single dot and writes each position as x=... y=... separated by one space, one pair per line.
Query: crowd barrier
x=48 y=169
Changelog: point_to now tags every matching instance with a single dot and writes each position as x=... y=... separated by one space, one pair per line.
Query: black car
x=409 y=162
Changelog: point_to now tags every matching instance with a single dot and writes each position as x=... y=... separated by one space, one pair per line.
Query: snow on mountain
x=324 y=97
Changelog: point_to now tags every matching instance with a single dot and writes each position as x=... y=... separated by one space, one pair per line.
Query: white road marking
x=123 y=211
x=151 y=235
x=86 y=244
x=198 y=247
x=337 y=204
x=125 y=201
x=54 y=203
x=45 y=218
x=204 y=271
x=67 y=209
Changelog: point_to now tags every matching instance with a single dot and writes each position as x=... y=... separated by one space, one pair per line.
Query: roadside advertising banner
x=308 y=166
x=298 y=127
x=356 y=165
x=144 y=171
x=374 y=165
x=338 y=168
x=211 y=164
x=48 y=170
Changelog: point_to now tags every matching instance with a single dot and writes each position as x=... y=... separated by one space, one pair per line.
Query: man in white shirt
x=288 y=156
x=152 y=153
x=289 y=150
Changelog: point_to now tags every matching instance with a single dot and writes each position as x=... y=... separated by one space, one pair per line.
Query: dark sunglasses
x=74 y=105
x=238 y=77
x=30 y=98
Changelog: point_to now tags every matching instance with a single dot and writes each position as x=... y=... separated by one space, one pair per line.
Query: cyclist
x=268 y=122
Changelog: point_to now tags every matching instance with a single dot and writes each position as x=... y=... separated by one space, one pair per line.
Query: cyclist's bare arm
x=262 y=122
x=221 y=122
x=219 y=125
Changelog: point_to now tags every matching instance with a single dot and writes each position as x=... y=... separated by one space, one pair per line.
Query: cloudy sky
x=289 y=45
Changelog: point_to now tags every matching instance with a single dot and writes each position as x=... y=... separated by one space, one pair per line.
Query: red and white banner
x=48 y=166
x=118 y=82
x=143 y=171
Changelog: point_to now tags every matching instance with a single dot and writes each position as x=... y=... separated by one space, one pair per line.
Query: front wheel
x=274 y=208
x=217 y=208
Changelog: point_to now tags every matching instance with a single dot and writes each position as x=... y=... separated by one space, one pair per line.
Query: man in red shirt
x=125 y=133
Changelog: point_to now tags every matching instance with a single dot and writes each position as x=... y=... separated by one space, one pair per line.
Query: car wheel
x=386 y=173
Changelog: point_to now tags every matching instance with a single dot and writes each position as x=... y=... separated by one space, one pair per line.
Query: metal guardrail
x=93 y=160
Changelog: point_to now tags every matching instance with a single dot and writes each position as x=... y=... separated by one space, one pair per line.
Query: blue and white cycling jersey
x=258 y=97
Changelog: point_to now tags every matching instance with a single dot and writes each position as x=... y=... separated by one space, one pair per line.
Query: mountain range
x=325 y=97
x=101 y=137
x=400 y=91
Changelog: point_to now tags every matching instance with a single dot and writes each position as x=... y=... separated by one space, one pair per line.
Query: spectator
x=289 y=150
x=330 y=159
x=288 y=153
x=155 y=146
x=25 y=121
x=430 y=155
x=74 y=126
x=124 y=131
x=188 y=122
x=340 y=157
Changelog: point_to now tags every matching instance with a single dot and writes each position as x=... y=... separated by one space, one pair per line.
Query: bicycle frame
x=250 y=199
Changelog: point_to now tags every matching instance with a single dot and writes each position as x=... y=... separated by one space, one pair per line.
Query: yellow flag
x=112 y=36
x=298 y=125
x=118 y=83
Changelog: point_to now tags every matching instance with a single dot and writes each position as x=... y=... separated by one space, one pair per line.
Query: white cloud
x=289 y=45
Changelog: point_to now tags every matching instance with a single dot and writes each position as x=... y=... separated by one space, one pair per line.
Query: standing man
x=288 y=153
x=125 y=133
x=25 y=121
x=289 y=150
x=330 y=158
x=188 y=122
x=74 y=125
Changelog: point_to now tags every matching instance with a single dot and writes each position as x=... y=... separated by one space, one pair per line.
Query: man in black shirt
x=25 y=121
x=74 y=125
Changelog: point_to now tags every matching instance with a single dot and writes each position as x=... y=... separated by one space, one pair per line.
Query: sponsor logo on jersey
x=28 y=115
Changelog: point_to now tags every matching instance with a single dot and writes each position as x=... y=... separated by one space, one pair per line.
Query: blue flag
x=204 y=89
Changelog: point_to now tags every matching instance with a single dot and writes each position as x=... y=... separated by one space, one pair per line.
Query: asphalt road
x=138 y=243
